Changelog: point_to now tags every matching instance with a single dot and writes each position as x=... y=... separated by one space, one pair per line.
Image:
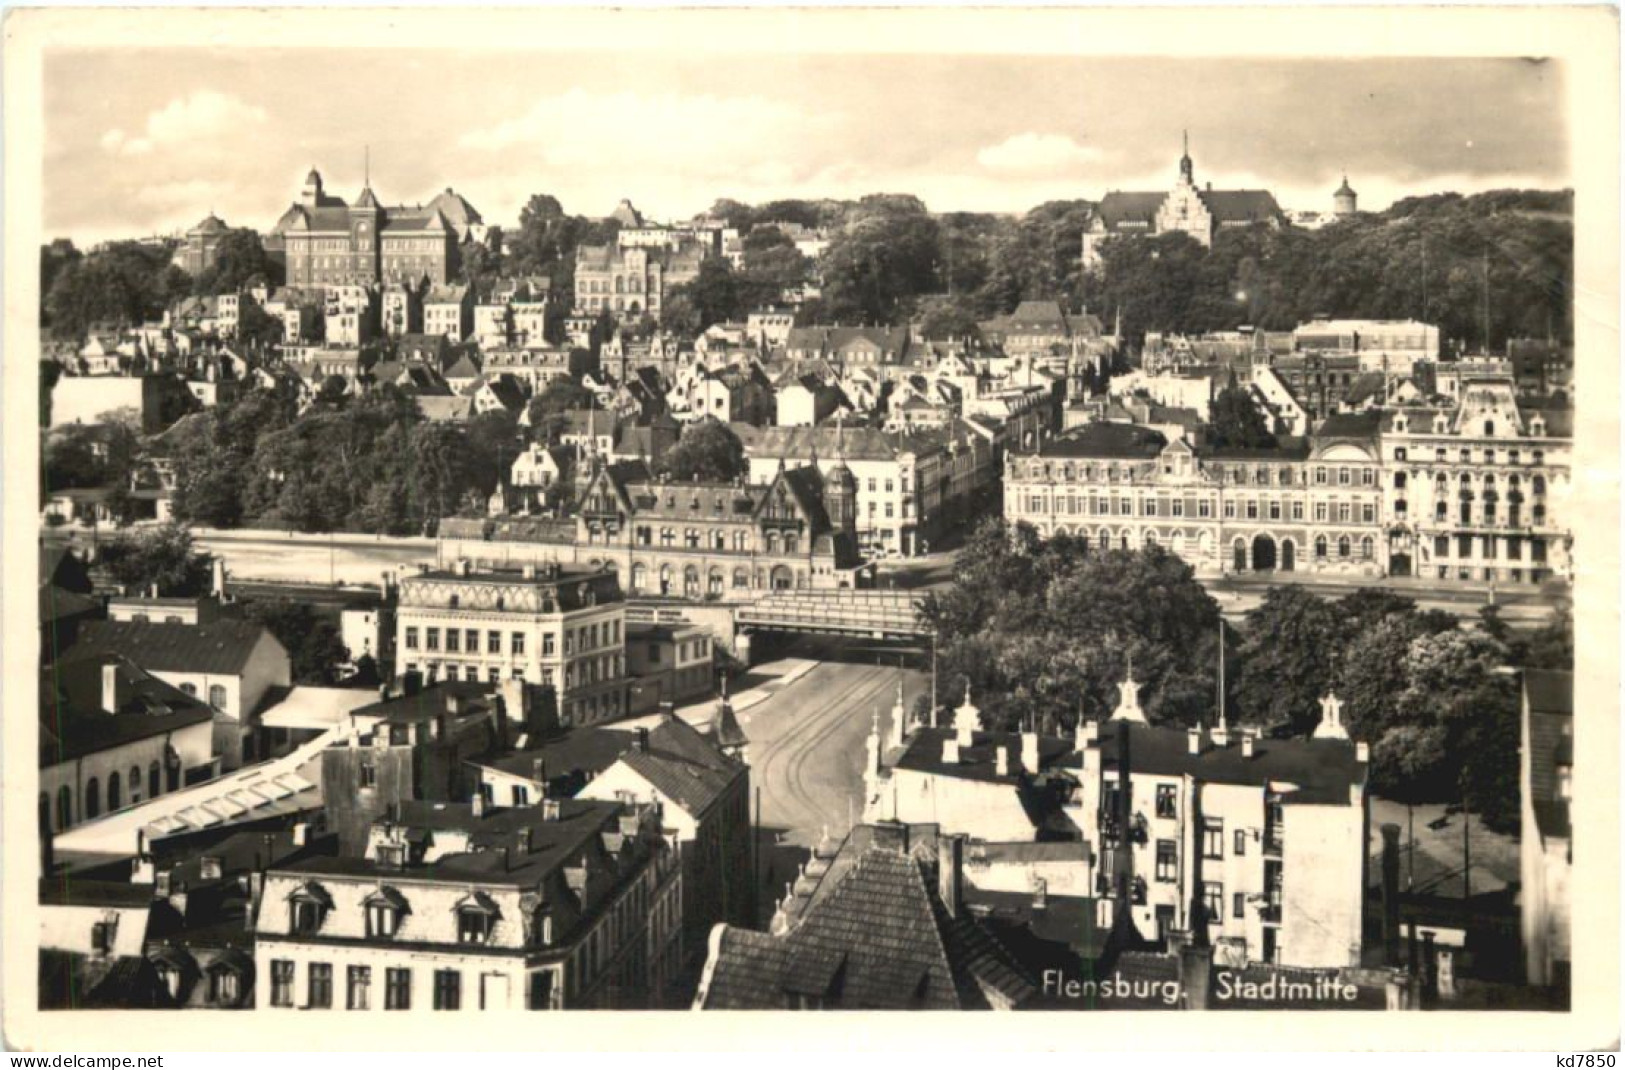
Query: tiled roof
x=1351 y=424
x=684 y=766
x=73 y=723
x=1107 y=440
x=1118 y=208
x=220 y=648
x=1241 y=205
x=870 y=943
x=441 y=407
x=978 y=761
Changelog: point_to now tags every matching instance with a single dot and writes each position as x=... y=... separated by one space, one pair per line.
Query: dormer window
x=477 y=914
x=308 y=907
x=385 y=908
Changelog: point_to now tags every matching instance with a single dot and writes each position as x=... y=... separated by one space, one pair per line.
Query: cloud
x=1038 y=154
x=203 y=117
x=187 y=194
x=655 y=129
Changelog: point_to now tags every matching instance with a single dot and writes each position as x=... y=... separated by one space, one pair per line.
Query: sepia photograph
x=731 y=511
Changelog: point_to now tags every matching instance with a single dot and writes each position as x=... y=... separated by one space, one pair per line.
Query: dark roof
x=430 y=702
x=1549 y=696
x=570 y=582
x=725 y=730
x=1286 y=448
x=1107 y=440
x=1351 y=424
x=58 y=604
x=684 y=766
x=1118 y=208
x=978 y=761
x=554 y=843
x=871 y=942
x=588 y=750
x=73 y=723
x=1241 y=205
x=65 y=891
x=220 y=647
x=1323 y=769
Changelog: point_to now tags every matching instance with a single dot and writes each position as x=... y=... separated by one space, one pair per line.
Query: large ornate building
x=1199 y=212
x=720 y=540
x=629 y=282
x=196 y=254
x=325 y=241
x=1306 y=505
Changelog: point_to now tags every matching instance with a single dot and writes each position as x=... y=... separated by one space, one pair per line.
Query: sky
x=142 y=141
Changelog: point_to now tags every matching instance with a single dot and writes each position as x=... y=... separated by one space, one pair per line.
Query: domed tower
x=1344 y=200
x=312 y=195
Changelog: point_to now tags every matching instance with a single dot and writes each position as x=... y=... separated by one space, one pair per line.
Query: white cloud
x=203 y=117
x=1038 y=154
x=195 y=193
x=649 y=130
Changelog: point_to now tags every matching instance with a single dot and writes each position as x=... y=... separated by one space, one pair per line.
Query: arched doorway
x=1289 y=556
x=1238 y=556
x=783 y=578
x=1263 y=553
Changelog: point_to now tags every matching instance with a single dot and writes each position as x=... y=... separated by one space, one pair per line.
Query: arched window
x=217 y=696
x=691 y=582
x=155 y=781
x=1538 y=484
x=115 y=792
x=1399 y=480
x=772 y=542
x=135 y=784
x=665 y=579
x=93 y=798
x=189 y=690
x=64 y=808
x=713 y=583
x=1320 y=547
x=791 y=543
x=741 y=578
x=719 y=540
x=1343 y=546
x=640 y=576
x=1367 y=547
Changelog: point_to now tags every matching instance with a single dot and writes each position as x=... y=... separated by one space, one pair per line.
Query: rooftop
x=221 y=647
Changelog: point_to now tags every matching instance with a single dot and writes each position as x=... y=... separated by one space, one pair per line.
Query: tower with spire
x=1345 y=202
x=841 y=490
x=1128 y=699
x=1187 y=169
x=726 y=733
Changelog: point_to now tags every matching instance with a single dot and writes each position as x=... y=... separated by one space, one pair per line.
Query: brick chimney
x=951 y=873
x=1001 y=760
x=1029 y=752
x=1247 y=745
x=1193 y=741
x=538 y=770
x=550 y=809
x=476 y=804
x=643 y=739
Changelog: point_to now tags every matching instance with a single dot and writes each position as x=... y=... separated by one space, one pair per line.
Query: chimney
x=1029 y=752
x=550 y=809
x=643 y=740
x=951 y=873
x=1193 y=741
x=219 y=579
x=950 y=752
x=1362 y=753
x=524 y=841
x=538 y=770
x=1001 y=761
x=529 y=570
x=1091 y=731
x=1221 y=735
x=1247 y=745
x=1040 y=893
x=110 y=687
x=476 y=803
x=301 y=833
x=465 y=567
x=210 y=867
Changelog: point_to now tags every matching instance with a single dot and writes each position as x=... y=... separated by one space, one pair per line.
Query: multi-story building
x=567 y=904
x=629 y=282
x=794 y=529
x=1268 y=836
x=911 y=487
x=1479 y=493
x=401 y=310
x=1188 y=208
x=559 y=626
x=322 y=239
x=1391 y=346
x=197 y=253
x=449 y=311
x=1304 y=505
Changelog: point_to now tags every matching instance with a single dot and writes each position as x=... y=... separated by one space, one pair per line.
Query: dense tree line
x=545 y=244
x=123 y=284
x=1043 y=631
x=1425 y=258
x=371 y=464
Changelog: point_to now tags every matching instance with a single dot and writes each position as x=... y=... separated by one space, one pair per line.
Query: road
x=807 y=743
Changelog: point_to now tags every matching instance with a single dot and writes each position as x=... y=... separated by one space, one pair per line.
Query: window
x=1167 y=801
x=281 y=983
x=493 y=642
x=1241 y=842
x=397 y=989
x=320 y=996
x=1213 y=901
x=1343 y=546
x=431 y=638
x=1320 y=547
x=189 y=690
x=369 y=775
x=224 y=986
x=411 y=638
x=1238 y=905
x=1297 y=510
x=454 y=643
x=516 y=644
x=1368 y=513
x=1167 y=861
x=1213 y=838
x=360 y=978
x=383 y=918
x=448 y=990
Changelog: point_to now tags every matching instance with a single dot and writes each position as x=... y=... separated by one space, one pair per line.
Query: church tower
x=1187 y=169
x=841 y=492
